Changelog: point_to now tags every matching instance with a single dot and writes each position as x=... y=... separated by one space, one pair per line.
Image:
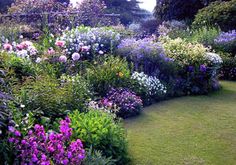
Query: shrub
x=52 y=98
x=204 y=35
x=90 y=42
x=129 y=103
x=228 y=70
x=111 y=72
x=94 y=157
x=99 y=130
x=183 y=52
x=226 y=42
x=146 y=55
x=148 y=87
x=37 y=147
x=218 y=13
x=173 y=28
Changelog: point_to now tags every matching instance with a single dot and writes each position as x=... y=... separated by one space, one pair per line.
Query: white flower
x=22 y=106
x=38 y=60
x=101 y=52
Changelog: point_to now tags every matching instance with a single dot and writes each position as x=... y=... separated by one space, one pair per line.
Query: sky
x=146 y=4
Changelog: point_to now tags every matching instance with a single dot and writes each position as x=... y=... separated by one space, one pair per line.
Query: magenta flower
x=63 y=58
x=75 y=56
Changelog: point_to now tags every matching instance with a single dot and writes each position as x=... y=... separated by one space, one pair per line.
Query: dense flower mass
x=152 y=84
x=226 y=37
x=90 y=42
x=25 y=49
x=213 y=59
x=129 y=103
x=39 y=147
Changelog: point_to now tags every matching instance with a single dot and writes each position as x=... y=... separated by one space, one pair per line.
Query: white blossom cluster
x=213 y=59
x=98 y=40
x=152 y=84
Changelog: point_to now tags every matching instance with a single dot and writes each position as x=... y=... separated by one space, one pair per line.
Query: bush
x=129 y=103
x=146 y=55
x=110 y=72
x=90 y=42
x=53 y=98
x=222 y=14
x=226 y=42
x=183 y=52
x=148 y=87
x=204 y=35
x=94 y=157
x=97 y=129
x=228 y=70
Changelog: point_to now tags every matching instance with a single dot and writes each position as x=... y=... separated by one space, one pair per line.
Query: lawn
x=189 y=130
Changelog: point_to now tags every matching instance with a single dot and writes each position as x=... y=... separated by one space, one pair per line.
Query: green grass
x=192 y=130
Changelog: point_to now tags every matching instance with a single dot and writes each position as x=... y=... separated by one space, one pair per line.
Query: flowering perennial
x=41 y=148
x=129 y=103
x=152 y=84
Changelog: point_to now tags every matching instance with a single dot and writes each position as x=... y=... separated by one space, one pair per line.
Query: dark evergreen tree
x=179 y=9
x=128 y=9
x=4 y=4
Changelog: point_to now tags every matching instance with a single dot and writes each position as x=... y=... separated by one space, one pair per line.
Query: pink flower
x=60 y=43
x=75 y=56
x=19 y=47
x=63 y=58
x=7 y=47
x=85 y=48
x=51 y=51
x=26 y=44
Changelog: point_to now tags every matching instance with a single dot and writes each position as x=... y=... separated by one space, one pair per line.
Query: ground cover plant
x=66 y=88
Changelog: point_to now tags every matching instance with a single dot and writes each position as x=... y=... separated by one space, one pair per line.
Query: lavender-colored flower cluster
x=130 y=104
x=90 y=41
x=145 y=54
x=226 y=37
x=38 y=147
x=152 y=84
x=213 y=59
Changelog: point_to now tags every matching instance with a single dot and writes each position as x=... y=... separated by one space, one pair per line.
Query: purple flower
x=75 y=56
x=203 y=68
x=190 y=68
x=63 y=59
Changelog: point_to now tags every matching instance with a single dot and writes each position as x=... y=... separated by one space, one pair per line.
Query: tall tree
x=128 y=9
x=179 y=10
x=4 y=4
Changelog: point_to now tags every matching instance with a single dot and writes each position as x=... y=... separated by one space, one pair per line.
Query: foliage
x=94 y=157
x=228 y=70
x=129 y=103
x=222 y=14
x=99 y=130
x=109 y=72
x=91 y=13
x=129 y=10
x=183 y=52
x=30 y=6
x=175 y=9
x=4 y=5
x=226 y=41
x=172 y=28
x=39 y=148
x=53 y=98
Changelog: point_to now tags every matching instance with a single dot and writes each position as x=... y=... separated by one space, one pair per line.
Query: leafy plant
x=217 y=13
x=109 y=72
x=99 y=130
